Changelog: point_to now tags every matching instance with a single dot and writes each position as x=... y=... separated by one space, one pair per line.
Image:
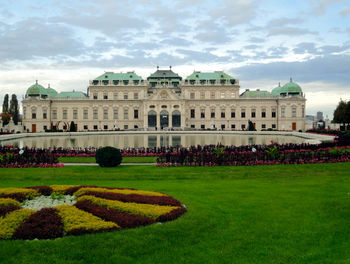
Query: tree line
x=12 y=111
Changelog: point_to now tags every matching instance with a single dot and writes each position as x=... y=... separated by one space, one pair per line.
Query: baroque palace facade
x=164 y=102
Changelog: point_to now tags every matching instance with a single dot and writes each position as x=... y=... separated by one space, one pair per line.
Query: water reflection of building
x=164 y=101
x=147 y=140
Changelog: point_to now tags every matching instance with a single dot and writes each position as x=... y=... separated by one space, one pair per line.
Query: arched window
x=164 y=119
x=152 y=118
x=176 y=118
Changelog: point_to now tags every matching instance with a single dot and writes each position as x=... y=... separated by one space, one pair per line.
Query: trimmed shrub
x=108 y=157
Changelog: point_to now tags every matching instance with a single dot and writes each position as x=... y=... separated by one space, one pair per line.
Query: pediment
x=164 y=94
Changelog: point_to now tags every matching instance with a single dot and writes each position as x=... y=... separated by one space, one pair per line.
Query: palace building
x=164 y=101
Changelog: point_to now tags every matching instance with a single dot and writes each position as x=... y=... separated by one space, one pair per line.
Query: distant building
x=319 y=116
x=164 y=101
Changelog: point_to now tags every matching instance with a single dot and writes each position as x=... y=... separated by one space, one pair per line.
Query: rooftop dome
x=36 y=90
x=276 y=91
x=51 y=92
x=291 y=88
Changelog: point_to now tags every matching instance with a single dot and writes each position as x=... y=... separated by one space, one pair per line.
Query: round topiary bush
x=108 y=157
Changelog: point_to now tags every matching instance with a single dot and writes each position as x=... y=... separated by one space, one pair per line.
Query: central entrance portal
x=164 y=119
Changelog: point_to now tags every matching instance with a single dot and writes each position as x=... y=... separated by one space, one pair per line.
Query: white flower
x=254 y=149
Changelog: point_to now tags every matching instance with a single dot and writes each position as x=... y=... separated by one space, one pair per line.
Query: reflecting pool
x=149 y=140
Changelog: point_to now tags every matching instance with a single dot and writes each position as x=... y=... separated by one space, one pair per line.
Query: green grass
x=263 y=214
x=92 y=159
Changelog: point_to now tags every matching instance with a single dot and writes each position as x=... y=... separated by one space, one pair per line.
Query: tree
x=342 y=113
x=14 y=109
x=5 y=117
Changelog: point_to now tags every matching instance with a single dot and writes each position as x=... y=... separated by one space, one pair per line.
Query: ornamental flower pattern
x=98 y=209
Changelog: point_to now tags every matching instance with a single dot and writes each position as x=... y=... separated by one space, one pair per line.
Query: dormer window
x=115 y=82
x=105 y=82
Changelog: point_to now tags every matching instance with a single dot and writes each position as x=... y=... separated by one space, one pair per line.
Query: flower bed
x=43 y=212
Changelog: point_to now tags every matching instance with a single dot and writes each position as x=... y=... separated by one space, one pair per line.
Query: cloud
x=235 y=12
x=345 y=12
x=32 y=38
x=328 y=68
x=321 y=6
x=306 y=47
x=175 y=41
x=286 y=26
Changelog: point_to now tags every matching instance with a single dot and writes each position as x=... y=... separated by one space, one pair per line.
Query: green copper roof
x=74 y=95
x=51 y=92
x=164 y=74
x=209 y=76
x=119 y=76
x=291 y=87
x=254 y=94
x=36 y=89
x=276 y=91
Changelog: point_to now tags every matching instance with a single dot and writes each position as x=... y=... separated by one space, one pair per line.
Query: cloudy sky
x=66 y=43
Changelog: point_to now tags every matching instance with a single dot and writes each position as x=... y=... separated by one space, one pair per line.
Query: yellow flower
x=12 y=221
x=8 y=201
x=60 y=189
x=82 y=191
x=149 y=210
x=29 y=193
x=74 y=218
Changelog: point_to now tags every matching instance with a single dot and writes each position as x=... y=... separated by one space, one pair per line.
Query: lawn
x=263 y=214
x=93 y=160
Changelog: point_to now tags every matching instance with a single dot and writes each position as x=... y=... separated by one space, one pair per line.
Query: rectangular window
x=263 y=113
x=294 y=112
x=126 y=126
x=222 y=95
x=125 y=96
x=283 y=112
x=44 y=114
x=243 y=127
x=24 y=113
x=273 y=126
x=253 y=113
x=115 y=113
x=105 y=113
x=95 y=96
x=233 y=95
x=105 y=127
x=233 y=126
x=202 y=95
x=75 y=113
x=64 y=114
x=212 y=95
x=191 y=95
x=33 y=115
x=303 y=111
x=95 y=113
x=95 y=127
x=243 y=114
x=193 y=115
x=126 y=114
x=222 y=113
x=105 y=96
x=233 y=113
x=86 y=114
x=45 y=128
x=273 y=113
x=263 y=126
x=54 y=114
x=136 y=113
x=202 y=126
x=115 y=96
x=136 y=96
x=202 y=113
x=193 y=126
x=212 y=113
x=85 y=127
